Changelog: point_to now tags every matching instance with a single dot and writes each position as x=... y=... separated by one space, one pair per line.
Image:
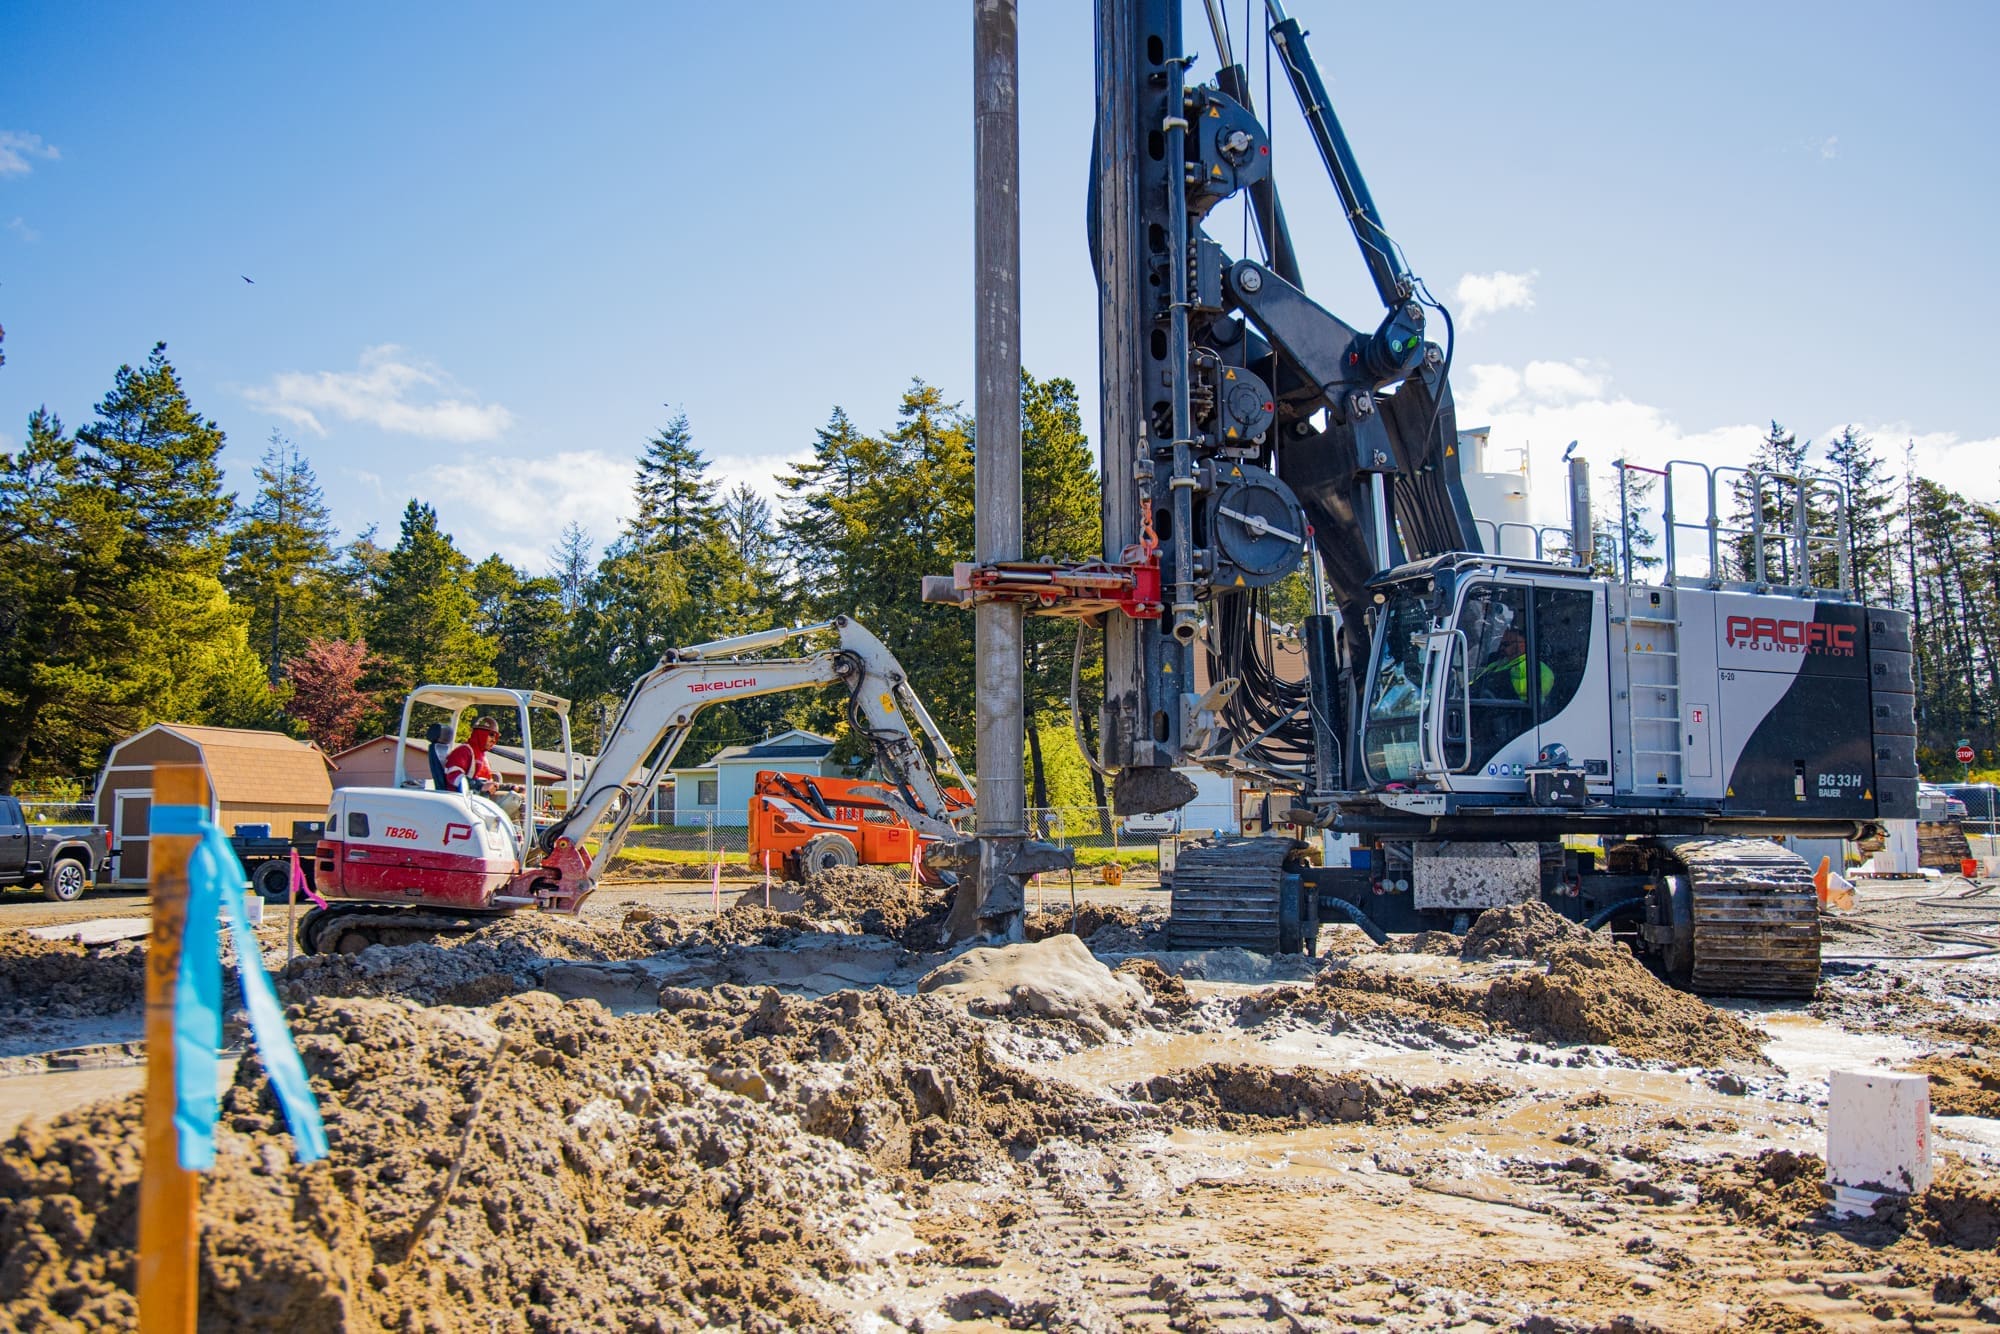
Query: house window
x=704 y=792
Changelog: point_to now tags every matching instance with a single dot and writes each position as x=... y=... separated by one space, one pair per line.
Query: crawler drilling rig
x=1473 y=721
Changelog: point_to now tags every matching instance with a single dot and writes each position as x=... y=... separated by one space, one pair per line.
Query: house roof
x=260 y=768
x=796 y=744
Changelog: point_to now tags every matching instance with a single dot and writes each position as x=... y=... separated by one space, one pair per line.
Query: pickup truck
x=63 y=859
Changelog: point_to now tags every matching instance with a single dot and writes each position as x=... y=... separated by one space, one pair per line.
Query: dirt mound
x=61 y=979
x=1595 y=991
x=1589 y=990
x=1777 y=1189
x=876 y=901
x=665 y=1171
x=510 y=956
x=1057 y=977
x=1258 y=1098
x=1523 y=931
x=1961 y=1084
x=1168 y=991
x=1440 y=943
x=1120 y=928
x=1961 y=1209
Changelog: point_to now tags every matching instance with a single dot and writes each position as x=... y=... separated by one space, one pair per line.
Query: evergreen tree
x=105 y=539
x=1871 y=512
x=423 y=617
x=1059 y=521
x=1778 y=464
x=750 y=594
x=281 y=559
x=812 y=532
x=523 y=618
x=569 y=565
x=676 y=500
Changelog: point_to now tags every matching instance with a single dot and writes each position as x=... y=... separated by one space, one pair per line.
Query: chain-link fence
x=59 y=812
x=1092 y=827
x=698 y=832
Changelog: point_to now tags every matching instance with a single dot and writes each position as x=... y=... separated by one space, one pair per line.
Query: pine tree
x=813 y=531
x=676 y=500
x=750 y=595
x=1059 y=521
x=106 y=538
x=1779 y=461
x=1871 y=513
x=523 y=618
x=422 y=621
x=569 y=565
x=281 y=558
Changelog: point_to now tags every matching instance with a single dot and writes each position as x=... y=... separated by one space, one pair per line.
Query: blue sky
x=489 y=243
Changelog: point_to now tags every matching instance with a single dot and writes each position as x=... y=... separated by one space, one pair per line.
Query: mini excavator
x=417 y=860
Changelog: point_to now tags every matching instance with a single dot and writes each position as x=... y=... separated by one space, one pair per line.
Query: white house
x=719 y=790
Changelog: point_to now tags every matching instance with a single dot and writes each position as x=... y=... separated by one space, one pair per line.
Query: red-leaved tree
x=326 y=691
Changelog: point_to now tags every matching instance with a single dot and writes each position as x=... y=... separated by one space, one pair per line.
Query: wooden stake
x=169 y=1223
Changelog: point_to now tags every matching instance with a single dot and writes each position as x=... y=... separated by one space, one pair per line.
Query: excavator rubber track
x=349 y=928
x=1233 y=894
x=1756 y=918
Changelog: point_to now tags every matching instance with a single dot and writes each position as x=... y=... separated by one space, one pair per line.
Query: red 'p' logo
x=455 y=831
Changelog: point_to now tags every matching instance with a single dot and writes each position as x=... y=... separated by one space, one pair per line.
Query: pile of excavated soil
x=1587 y=989
x=1253 y=1098
x=706 y=1164
x=1962 y=1084
x=1056 y=978
x=1167 y=990
x=1777 y=1189
x=1523 y=931
x=507 y=957
x=874 y=900
x=1960 y=1209
x=61 y=979
x=1105 y=928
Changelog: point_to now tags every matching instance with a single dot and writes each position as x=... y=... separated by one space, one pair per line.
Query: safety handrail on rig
x=1797 y=531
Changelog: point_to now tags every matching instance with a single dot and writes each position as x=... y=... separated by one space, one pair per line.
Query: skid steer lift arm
x=660 y=710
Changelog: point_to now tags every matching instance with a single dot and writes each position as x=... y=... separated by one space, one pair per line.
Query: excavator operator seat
x=435 y=753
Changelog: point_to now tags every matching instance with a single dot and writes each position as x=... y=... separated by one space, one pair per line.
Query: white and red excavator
x=419 y=859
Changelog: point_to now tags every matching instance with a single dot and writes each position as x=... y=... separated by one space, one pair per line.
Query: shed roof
x=796 y=744
x=260 y=768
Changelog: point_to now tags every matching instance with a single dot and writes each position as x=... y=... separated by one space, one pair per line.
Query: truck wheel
x=824 y=852
x=272 y=881
x=67 y=880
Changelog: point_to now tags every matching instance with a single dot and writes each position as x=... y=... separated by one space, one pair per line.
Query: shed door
x=131 y=832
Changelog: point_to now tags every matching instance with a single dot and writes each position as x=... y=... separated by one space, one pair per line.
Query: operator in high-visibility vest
x=1506 y=677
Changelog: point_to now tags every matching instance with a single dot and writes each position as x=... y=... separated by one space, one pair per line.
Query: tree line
x=135 y=589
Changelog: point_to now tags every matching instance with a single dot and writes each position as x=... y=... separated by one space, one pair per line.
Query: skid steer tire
x=824 y=852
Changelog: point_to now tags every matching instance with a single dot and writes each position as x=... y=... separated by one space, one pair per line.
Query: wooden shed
x=256 y=778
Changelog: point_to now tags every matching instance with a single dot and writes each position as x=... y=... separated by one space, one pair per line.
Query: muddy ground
x=807 y=1117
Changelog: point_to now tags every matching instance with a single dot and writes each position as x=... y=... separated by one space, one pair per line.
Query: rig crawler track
x=1233 y=894
x=1756 y=918
x=349 y=928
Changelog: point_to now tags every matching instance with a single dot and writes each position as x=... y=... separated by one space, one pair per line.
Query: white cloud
x=389 y=391
x=518 y=506
x=1827 y=148
x=1537 y=410
x=17 y=147
x=19 y=226
x=1483 y=294
x=761 y=471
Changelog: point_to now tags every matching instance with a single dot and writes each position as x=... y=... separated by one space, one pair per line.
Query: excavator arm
x=660 y=711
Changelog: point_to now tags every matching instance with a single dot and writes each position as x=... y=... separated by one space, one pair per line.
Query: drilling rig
x=1484 y=729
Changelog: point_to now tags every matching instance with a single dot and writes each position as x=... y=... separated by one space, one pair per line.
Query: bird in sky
x=251 y=281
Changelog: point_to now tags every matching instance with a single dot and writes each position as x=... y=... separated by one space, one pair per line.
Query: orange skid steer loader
x=809 y=822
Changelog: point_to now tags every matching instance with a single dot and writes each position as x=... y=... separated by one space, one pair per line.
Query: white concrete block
x=1878 y=1136
x=253 y=909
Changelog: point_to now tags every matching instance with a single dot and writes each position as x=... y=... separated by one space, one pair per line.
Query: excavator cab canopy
x=453 y=702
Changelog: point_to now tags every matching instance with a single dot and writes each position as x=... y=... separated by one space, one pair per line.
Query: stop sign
x=1965 y=754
